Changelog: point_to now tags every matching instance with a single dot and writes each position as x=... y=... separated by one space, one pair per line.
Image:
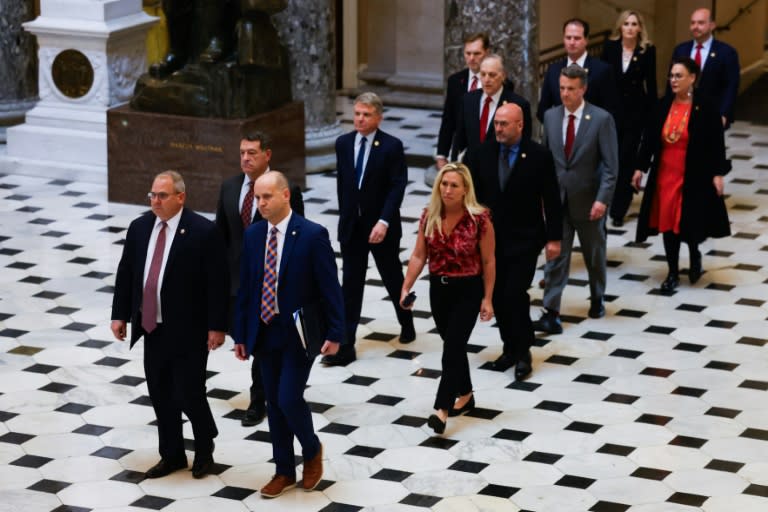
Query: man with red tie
x=718 y=61
x=476 y=47
x=236 y=210
x=582 y=139
x=172 y=285
x=475 y=127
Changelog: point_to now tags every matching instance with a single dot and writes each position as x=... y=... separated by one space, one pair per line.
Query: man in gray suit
x=582 y=139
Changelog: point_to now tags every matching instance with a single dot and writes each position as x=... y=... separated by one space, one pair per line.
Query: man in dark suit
x=602 y=86
x=467 y=80
x=172 y=285
x=582 y=139
x=518 y=183
x=288 y=266
x=718 y=61
x=236 y=210
x=371 y=176
x=475 y=127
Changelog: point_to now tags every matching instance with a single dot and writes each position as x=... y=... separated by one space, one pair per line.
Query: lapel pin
x=587 y=117
x=293 y=233
x=504 y=102
x=634 y=59
x=712 y=54
x=183 y=231
x=375 y=143
x=522 y=155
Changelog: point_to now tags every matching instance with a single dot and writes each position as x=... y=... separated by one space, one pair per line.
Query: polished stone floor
x=660 y=406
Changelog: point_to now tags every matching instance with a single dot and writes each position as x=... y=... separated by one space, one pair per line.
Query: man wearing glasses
x=172 y=284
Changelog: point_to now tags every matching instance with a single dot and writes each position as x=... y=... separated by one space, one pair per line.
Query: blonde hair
x=434 y=219
x=643 y=40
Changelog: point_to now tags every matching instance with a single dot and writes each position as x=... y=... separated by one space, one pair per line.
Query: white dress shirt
x=282 y=228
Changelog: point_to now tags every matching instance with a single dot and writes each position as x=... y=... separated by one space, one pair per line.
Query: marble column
x=308 y=29
x=513 y=30
x=18 y=71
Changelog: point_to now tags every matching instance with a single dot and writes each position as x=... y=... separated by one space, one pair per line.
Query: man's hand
x=597 y=211
x=552 y=250
x=637 y=179
x=240 y=352
x=378 y=233
x=724 y=120
x=717 y=181
x=329 y=347
x=119 y=328
x=440 y=162
x=215 y=339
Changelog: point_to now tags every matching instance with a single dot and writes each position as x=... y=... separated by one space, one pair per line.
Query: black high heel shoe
x=436 y=424
x=464 y=409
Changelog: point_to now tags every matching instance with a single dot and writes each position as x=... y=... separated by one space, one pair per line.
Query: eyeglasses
x=676 y=76
x=160 y=195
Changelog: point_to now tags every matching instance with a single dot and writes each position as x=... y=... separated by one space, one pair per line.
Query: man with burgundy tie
x=371 y=176
x=288 y=268
x=172 y=285
x=476 y=47
x=718 y=61
x=475 y=128
x=582 y=139
x=236 y=210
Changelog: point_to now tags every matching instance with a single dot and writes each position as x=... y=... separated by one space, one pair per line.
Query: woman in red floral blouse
x=456 y=236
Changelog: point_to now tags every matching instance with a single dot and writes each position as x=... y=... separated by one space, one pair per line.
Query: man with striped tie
x=287 y=267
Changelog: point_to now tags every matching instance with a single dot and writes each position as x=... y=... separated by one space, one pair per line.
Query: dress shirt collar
x=369 y=138
x=705 y=46
x=580 y=61
x=578 y=112
x=495 y=97
x=281 y=226
x=173 y=222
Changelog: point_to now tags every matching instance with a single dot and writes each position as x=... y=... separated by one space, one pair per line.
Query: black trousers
x=176 y=384
x=512 y=304
x=455 y=306
x=354 y=256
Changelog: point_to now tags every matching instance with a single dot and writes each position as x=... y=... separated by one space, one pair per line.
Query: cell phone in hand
x=409 y=299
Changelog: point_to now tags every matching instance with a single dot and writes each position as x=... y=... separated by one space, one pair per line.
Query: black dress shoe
x=165 y=467
x=407 y=334
x=253 y=416
x=503 y=363
x=343 y=357
x=436 y=424
x=596 y=308
x=202 y=466
x=695 y=270
x=617 y=222
x=670 y=283
x=523 y=370
x=464 y=409
x=549 y=323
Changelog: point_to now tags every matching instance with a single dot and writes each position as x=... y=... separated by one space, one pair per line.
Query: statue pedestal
x=90 y=55
x=205 y=151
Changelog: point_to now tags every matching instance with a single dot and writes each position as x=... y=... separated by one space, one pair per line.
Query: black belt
x=451 y=279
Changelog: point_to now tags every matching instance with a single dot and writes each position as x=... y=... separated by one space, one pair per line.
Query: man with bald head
x=719 y=63
x=287 y=270
x=517 y=181
x=475 y=127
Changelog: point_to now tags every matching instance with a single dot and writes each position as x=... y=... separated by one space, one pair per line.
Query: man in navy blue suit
x=287 y=267
x=172 y=284
x=371 y=176
x=718 y=61
x=602 y=84
x=467 y=80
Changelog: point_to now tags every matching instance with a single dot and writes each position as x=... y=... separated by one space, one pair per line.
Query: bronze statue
x=225 y=60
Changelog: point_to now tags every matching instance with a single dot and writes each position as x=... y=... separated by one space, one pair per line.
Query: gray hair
x=498 y=58
x=371 y=99
x=178 y=181
x=575 y=71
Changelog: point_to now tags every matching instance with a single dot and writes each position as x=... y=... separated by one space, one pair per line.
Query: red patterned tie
x=570 y=134
x=268 y=290
x=484 y=118
x=246 y=213
x=697 y=57
x=473 y=85
x=149 y=297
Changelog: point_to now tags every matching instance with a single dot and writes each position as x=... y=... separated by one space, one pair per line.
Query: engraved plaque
x=72 y=73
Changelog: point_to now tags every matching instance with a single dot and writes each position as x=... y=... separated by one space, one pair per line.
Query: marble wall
x=18 y=63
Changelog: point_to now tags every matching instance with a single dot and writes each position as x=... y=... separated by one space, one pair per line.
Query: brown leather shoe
x=277 y=486
x=313 y=470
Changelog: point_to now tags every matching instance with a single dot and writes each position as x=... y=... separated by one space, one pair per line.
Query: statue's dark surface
x=225 y=60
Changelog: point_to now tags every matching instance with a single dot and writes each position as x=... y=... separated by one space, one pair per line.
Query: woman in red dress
x=684 y=148
x=456 y=236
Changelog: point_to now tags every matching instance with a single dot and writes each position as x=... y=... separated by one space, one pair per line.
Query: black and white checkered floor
x=659 y=406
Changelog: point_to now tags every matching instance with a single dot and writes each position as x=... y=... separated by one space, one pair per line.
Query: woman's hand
x=486 y=310
x=717 y=181
x=637 y=178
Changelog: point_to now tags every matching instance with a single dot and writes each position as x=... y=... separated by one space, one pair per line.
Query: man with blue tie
x=287 y=269
x=371 y=176
x=718 y=61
